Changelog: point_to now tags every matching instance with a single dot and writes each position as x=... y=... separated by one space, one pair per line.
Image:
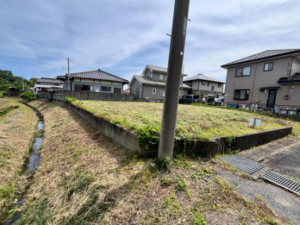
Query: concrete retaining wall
x=84 y=95
x=119 y=135
x=130 y=142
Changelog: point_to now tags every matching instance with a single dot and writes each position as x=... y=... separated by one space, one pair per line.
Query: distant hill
x=7 y=79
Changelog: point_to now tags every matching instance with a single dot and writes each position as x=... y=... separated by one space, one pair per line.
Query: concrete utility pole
x=176 y=55
x=69 y=88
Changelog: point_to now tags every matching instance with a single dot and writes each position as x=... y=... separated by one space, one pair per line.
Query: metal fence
x=289 y=110
x=84 y=95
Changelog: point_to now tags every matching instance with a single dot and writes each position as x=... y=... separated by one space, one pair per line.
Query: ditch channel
x=31 y=163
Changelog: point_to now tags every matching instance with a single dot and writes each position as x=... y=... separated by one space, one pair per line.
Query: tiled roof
x=202 y=77
x=262 y=55
x=159 y=69
x=293 y=79
x=147 y=81
x=49 y=80
x=96 y=75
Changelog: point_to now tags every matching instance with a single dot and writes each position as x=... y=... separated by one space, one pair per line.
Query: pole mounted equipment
x=176 y=55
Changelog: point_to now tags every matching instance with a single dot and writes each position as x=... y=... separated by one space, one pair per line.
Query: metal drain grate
x=246 y=165
x=282 y=181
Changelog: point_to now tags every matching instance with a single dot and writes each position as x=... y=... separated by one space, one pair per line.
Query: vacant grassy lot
x=85 y=178
x=17 y=128
x=195 y=122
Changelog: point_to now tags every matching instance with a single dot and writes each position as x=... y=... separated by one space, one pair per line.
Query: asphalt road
x=282 y=156
x=283 y=203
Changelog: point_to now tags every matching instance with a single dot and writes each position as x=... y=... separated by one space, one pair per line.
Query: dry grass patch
x=85 y=178
x=17 y=129
x=193 y=122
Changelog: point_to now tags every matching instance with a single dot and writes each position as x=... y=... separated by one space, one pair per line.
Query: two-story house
x=152 y=83
x=95 y=81
x=268 y=78
x=205 y=85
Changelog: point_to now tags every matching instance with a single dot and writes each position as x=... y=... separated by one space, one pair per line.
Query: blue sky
x=122 y=36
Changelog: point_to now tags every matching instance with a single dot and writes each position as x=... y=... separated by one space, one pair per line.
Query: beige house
x=204 y=84
x=270 y=78
x=152 y=84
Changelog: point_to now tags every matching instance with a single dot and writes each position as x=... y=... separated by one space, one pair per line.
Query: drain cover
x=246 y=165
x=282 y=181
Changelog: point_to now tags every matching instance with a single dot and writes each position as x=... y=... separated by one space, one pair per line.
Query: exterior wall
x=204 y=89
x=147 y=92
x=156 y=76
x=96 y=84
x=258 y=79
x=136 y=89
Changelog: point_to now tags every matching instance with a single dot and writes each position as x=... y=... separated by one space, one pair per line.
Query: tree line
x=7 y=79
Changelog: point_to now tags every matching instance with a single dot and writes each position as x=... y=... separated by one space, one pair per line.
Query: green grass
x=193 y=122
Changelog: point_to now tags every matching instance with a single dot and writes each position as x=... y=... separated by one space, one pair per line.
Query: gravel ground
x=280 y=201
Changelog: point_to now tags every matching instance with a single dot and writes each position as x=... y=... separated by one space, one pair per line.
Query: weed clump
x=69 y=100
x=198 y=219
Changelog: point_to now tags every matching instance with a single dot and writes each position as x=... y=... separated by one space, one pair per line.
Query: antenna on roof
x=99 y=69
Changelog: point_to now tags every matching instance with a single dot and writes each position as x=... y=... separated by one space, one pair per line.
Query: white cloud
x=123 y=36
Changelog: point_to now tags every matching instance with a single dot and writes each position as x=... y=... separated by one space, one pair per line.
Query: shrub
x=27 y=96
x=70 y=100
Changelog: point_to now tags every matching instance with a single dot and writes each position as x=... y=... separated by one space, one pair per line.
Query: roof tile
x=261 y=55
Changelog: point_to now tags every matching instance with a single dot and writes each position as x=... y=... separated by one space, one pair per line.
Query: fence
x=278 y=109
x=84 y=95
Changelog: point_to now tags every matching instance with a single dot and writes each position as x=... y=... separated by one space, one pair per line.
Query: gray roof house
x=96 y=81
x=47 y=84
x=270 y=78
x=204 y=84
x=151 y=84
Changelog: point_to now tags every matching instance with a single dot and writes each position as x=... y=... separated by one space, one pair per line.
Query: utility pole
x=179 y=29
x=22 y=78
x=69 y=88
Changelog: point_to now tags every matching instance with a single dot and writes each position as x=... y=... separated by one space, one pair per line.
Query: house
x=204 y=85
x=152 y=83
x=96 y=81
x=47 y=84
x=271 y=77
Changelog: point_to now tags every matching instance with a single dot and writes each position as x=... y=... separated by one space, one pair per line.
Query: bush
x=27 y=96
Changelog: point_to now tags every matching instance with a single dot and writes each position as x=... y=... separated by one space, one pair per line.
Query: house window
x=212 y=88
x=117 y=91
x=268 y=66
x=134 y=91
x=162 y=93
x=241 y=94
x=243 y=71
x=190 y=83
x=219 y=84
x=151 y=76
x=105 y=89
x=207 y=84
x=154 y=91
x=79 y=87
x=161 y=77
x=203 y=82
